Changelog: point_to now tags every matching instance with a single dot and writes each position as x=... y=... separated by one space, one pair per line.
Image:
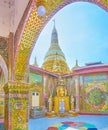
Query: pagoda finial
x=76 y=62
x=54 y=37
x=54 y=22
x=35 y=62
x=76 y=65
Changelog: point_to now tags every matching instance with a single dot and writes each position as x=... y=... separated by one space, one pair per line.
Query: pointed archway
x=3 y=81
x=30 y=27
x=3 y=67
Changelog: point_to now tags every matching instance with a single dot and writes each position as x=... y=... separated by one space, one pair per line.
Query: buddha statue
x=50 y=103
x=61 y=92
x=72 y=103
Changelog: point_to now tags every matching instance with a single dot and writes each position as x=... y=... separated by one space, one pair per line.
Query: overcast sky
x=82 y=32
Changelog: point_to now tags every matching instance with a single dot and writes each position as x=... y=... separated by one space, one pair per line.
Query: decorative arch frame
x=4 y=68
x=31 y=26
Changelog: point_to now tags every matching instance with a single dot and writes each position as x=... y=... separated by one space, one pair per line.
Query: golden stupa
x=54 y=60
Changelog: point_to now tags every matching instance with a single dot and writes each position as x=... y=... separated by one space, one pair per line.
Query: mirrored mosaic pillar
x=76 y=78
x=16 y=106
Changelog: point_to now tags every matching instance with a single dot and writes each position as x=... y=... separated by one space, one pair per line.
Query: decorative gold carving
x=95 y=84
x=16 y=105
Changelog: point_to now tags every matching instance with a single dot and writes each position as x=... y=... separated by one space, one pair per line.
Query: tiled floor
x=101 y=122
x=1 y=126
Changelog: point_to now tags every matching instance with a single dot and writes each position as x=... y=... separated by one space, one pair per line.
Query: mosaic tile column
x=16 y=106
x=77 y=93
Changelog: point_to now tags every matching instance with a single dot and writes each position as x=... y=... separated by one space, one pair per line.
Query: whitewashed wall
x=11 y=12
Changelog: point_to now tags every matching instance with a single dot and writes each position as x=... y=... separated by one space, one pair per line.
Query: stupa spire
x=54 y=22
x=54 y=36
x=54 y=60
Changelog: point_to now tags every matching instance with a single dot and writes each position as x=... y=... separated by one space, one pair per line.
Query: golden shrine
x=61 y=103
x=61 y=100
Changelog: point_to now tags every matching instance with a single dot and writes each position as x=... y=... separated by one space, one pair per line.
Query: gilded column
x=16 y=106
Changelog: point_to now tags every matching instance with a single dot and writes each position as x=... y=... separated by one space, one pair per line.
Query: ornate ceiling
x=31 y=25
